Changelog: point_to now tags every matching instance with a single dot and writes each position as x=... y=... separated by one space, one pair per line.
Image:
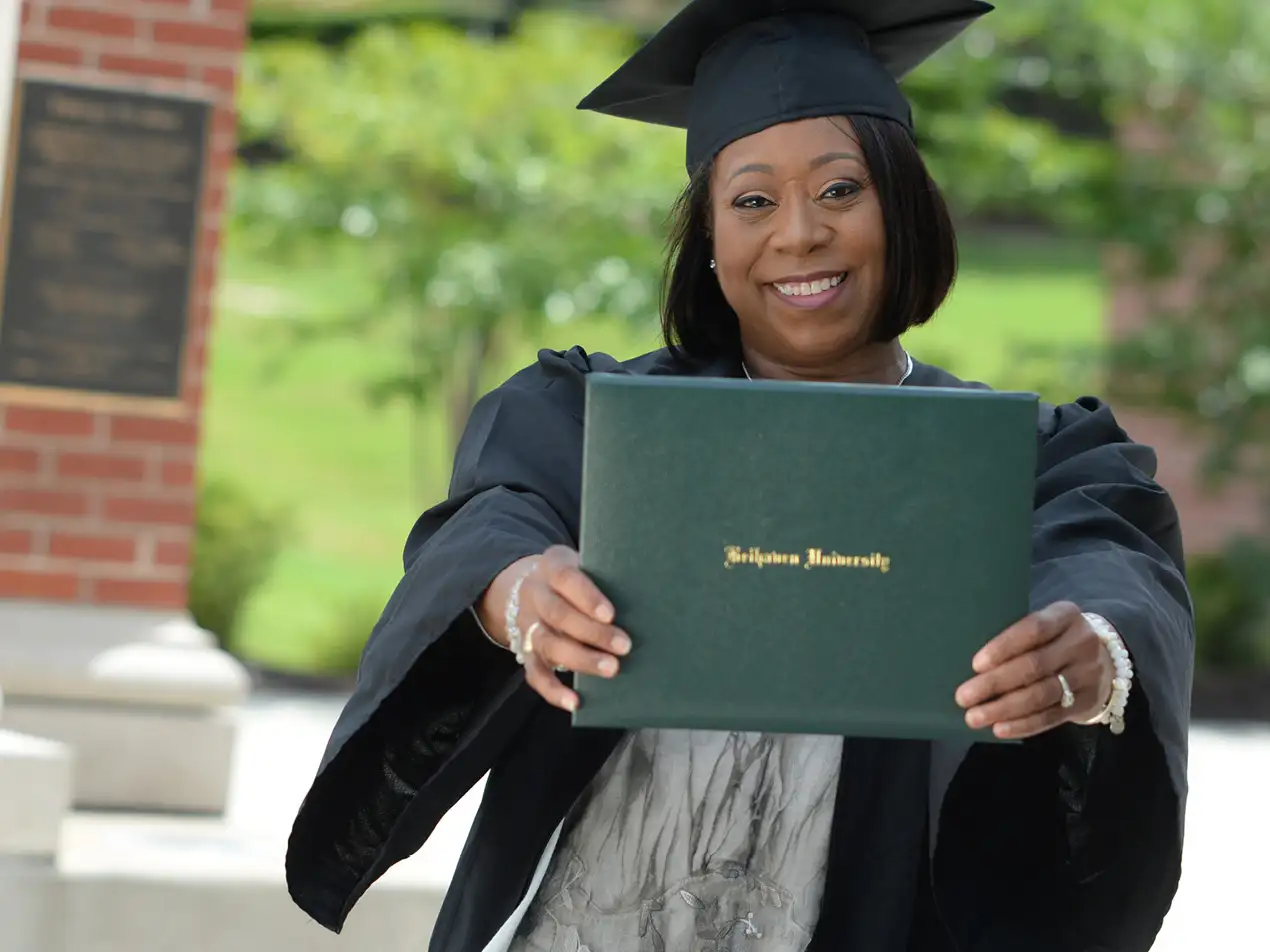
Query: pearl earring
x=712 y=264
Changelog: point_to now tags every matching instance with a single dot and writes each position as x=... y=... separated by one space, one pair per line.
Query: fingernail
x=604 y=613
x=570 y=703
x=975 y=719
x=621 y=644
x=608 y=667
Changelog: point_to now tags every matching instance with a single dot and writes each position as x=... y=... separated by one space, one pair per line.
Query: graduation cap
x=725 y=69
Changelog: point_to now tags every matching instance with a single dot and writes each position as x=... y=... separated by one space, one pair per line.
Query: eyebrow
x=818 y=162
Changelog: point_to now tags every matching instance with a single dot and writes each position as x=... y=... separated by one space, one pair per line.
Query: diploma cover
x=803 y=557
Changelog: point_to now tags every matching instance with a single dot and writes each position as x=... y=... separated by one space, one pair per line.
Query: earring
x=712 y=265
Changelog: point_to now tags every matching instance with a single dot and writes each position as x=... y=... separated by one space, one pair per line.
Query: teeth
x=810 y=287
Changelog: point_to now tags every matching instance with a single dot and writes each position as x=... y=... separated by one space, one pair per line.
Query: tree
x=482 y=201
x=1180 y=188
x=1194 y=181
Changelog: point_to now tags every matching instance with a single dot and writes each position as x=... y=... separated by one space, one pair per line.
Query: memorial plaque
x=100 y=240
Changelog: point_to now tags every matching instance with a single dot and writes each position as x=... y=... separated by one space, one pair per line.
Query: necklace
x=908 y=369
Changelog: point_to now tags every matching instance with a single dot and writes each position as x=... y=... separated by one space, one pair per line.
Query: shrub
x=336 y=649
x=236 y=544
x=1232 y=619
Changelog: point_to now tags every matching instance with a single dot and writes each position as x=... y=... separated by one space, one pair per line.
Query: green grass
x=300 y=434
x=1015 y=297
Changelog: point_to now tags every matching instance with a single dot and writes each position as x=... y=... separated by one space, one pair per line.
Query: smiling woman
x=810 y=238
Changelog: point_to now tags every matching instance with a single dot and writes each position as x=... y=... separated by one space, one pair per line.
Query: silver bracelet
x=476 y=616
x=1113 y=714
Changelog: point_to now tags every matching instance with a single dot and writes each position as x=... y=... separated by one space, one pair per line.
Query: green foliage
x=992 y=160
x=236 y=544
x=481 y=201
x=336 y=649
x=308 y=11
x=1203 y=223
x=1182 y=190
x=1232 y=607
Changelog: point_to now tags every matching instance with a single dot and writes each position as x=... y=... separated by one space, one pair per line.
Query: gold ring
x=527 y=643
x=1068 y=697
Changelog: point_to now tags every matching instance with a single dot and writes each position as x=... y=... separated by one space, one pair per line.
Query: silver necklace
x=908 y=369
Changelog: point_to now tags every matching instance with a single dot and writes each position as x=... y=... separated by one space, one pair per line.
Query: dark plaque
x=101 y=235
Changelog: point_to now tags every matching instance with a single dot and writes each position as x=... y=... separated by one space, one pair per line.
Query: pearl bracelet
x=515 y=637
x=1113 y=714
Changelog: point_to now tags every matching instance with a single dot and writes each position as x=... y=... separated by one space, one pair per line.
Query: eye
x=841 y=191
x=751 y=202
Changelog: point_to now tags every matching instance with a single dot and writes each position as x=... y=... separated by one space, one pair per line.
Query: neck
x=877 y=363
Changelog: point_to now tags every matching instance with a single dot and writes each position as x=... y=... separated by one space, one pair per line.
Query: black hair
x=921 y=250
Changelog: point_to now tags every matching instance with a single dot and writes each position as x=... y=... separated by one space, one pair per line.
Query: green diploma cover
x=803 y=558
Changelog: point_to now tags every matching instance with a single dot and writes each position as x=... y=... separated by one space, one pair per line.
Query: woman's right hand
x=571 y=621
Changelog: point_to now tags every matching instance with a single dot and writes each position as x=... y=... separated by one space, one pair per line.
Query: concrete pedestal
x=142 y=699
x=30 y=902
x=35 y=793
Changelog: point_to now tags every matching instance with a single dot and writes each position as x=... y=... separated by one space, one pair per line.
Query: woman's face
x=799 y=243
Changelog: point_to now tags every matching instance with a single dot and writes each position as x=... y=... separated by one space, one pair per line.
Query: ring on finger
x=1068 y=698
x=527 y=642
x=527 y=646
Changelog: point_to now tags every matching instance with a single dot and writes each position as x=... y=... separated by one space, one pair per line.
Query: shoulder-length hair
x=921 y=250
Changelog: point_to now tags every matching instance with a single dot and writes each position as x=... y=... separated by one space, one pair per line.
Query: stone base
x=30 y=905
x=35 y=795
x=143 y=698
x=137 y=758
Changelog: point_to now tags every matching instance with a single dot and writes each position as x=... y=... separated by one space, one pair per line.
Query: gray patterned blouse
x=693 y=841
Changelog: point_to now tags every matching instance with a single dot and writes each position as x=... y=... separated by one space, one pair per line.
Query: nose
x=800 y=228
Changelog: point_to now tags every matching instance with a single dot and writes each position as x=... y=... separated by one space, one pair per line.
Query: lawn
x=292 y=424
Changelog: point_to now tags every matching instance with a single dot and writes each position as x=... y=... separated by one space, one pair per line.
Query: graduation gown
x=1070 y=841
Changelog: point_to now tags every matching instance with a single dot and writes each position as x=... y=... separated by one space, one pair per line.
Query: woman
x=809 y=239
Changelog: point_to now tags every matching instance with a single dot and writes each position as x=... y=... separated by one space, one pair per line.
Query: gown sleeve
x=1074 y=840
x=435 y=701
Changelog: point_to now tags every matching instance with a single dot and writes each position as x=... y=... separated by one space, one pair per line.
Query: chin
x=811 y=336
x=812 y=353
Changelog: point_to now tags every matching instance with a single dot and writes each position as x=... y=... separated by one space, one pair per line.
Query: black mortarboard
x=724 y=69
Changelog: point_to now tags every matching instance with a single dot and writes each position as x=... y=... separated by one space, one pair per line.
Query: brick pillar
x=98 y=480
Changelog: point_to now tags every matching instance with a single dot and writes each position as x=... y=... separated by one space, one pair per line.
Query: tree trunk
x=466 y=387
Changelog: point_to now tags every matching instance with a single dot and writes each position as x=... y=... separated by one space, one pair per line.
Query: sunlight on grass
x=291 y=422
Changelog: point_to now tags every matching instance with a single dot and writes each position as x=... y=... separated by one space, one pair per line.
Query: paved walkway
x=1221 y=903
x=1219 y=906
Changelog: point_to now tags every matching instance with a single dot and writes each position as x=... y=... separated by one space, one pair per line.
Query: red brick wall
x=99 y=506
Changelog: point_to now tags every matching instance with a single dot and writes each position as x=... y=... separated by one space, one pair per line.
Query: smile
x=814 y=293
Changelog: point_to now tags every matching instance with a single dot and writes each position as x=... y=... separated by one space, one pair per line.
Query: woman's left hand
x=1016 y=690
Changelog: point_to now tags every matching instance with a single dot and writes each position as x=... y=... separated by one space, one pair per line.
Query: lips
x=810 y=291
x=807 y=287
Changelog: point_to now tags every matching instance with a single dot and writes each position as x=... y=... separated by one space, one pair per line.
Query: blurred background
x=406 y=207
x=402 y=163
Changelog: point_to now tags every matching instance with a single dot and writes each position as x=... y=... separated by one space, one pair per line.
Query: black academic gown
x=1071 y=841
